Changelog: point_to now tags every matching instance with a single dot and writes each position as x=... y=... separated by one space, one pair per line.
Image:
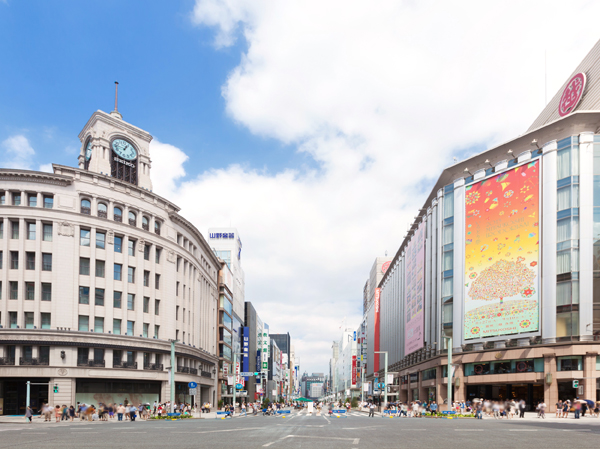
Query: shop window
x=570 y=363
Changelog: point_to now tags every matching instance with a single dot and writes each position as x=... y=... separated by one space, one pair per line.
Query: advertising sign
x=414 y=318
x=246 y=349
x=572 y=94
x=376 y=329
x=353 y=370
x=502 y=237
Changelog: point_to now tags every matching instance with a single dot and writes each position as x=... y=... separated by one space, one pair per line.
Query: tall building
x=502 y=263
x=97 y=274
x=225 y=336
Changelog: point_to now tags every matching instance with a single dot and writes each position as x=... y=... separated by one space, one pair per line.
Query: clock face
x=88 y=151
x=124 y=149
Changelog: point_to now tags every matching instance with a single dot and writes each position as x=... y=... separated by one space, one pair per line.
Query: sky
x=316 y=127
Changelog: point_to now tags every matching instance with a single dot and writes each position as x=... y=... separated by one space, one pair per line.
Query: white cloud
x=46 y=168
x=17 y=153
x=382 y=94
x=167 y=161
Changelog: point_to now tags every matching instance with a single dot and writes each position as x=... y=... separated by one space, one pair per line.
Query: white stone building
x=97 y=273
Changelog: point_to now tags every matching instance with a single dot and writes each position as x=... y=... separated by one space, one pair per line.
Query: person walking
x=371 y=410
x=71 y=413
x=542 y=410
x=577 y=408
x=522 y=407
x=28 y=414
x=120 y=411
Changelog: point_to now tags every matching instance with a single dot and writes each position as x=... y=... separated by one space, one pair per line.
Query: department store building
x=503 y=261
x=97 y=274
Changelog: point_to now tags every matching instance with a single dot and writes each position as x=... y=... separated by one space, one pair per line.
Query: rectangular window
x=146 y=304
x=118 y=270
x=99 y=297
x=14 y=260
x=146 y=252
x=117 y=300
x=131 y=247
x=563 y=163
x=99 y=353
x=567 y=324
x=156 y=329
x=29 y=291
x=176 y=312
x=83 y=355
x=84 y=295
x=157 y=252
x=30 y=231
x=131 y=275
x=118 y=244
x=570 y=363
x=1 y=229
x=567 y=229
x=46 y=291
x=145 y=330
x=2 y=198
x=12 y=318
x=117 y=353
x=28 y=320
x=16 y=199
x=46 y=321
x=1 y=260
x=84 y=323
x=448 y=232
x=100 y=240
x=157 y=281
x=47 y=229
x=32 y=199
x=14 y=289
x=177 y=288
x=156 y=307
x=130 y=327
x=146 y=278
x=116 y=326
x=100 y=268
x=84 y=266
x=14 y=225
x=130 y=301
x=99 y=324
x=46 y=262
x=447 y=287
x=448 y=261
x=48 y=201
x=84 y=237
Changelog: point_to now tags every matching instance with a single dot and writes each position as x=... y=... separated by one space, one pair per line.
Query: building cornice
x=116 y=123
x=10 y=174
x=192 y=229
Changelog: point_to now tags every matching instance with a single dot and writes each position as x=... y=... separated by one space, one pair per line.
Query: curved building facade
x=97 y=275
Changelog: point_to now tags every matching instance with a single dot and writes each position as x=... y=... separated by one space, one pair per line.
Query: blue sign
x=238 y=386
x=354 y=335
x=246 y=350
x=381 y=385
x=445 y=412
x=192 y=385
x=220 y=235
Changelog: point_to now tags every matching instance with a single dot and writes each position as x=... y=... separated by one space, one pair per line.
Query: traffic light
x=575 y=384
x=55 y=389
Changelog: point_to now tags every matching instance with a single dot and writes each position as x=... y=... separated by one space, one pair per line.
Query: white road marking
x=576 y=430
x=468 y=430
x=522 y=430
x=355 y=440
x=225 y=430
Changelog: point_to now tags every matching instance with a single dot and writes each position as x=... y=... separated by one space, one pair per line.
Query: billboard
x=376 y=329
x=246 y=350
x=502 y=254
x=414 y=318
x=353 y=370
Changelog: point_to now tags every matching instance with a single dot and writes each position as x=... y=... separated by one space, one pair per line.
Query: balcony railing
x=97 y=363
x=145 y=226
x=154 y=367
x=157 y=231
x=82 y=362
x=205 y=374
x=132 y=222
x=102 y=214
x=33 y=361
x=183 y=369
x=130 y=365
x=7 y=361
x=194 y=371
x=86 y=210
x=118 y=218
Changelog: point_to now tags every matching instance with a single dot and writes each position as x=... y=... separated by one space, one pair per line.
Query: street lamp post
x=362 y=384
x=172 y=374
x=385 y=398
x=449 y=342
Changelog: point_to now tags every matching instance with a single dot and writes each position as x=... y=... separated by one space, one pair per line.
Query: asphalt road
x=302 y=431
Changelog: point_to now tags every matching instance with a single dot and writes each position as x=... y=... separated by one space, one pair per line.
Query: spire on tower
x=116 y=112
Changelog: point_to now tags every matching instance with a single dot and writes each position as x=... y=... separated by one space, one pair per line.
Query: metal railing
x=154 y=367
x=132 y=222
x=145 y=226
x=183 y=369
x=7 y=361
x=97 y=363
x=33 y=361
x=194 y=371
x=205 y=374
x=130 y=365
x=118 y=218
x=102 y=214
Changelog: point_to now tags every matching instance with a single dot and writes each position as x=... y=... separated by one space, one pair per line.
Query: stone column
x=460 y=391
x=586 y=237
x=589 y=373
x=550 y=389
x=548 y=267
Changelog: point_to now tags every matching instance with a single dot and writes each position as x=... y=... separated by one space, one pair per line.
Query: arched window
x=118 y=213
x=86 y=207
x=157 y=227
x=145 y=223
x=102 y=210
x=132 y=219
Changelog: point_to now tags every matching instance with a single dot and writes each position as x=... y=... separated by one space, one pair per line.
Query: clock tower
x=113 y=147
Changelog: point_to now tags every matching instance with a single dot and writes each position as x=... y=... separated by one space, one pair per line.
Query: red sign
x=385 y=267
x=572 y=94
x=376 y=331
x=353 y=370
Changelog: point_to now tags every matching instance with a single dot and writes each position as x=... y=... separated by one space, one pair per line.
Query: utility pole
x=450 y=373
x=362 y=384
x=172 y=374
x=385 y=397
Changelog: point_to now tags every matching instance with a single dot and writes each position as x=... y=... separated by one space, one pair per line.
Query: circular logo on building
x=572 y=94
x=62 y=371
x=385 y=267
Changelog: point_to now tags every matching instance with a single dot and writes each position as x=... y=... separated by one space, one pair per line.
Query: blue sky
x=59 y=60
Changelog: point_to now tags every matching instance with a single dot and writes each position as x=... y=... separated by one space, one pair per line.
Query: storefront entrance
x=531 y=393
x=13 y=393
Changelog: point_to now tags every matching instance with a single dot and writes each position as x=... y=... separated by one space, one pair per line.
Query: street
x=299 y=430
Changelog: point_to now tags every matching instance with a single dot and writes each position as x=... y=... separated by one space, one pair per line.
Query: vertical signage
x=246 y=349
x=414 y=318
x=353 y=370
x=376 y=330
x=502 y=238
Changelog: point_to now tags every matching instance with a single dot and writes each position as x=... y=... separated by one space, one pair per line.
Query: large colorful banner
x=414 y=297
x=376 y=329
x=502 y=254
